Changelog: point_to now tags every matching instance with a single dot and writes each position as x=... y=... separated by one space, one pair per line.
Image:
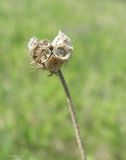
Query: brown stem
x=73 y=116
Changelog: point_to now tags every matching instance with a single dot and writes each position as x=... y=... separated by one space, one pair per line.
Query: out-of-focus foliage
x=34 y=118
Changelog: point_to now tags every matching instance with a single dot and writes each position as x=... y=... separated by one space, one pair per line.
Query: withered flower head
x=50 y=56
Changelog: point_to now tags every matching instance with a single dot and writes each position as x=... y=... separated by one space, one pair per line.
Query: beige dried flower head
x=50 y=56
x=62 y=46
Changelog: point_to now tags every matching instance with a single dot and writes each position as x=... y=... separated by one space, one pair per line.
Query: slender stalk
x=73 y=116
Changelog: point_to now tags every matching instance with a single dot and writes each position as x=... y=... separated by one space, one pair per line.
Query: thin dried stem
x=73 y=116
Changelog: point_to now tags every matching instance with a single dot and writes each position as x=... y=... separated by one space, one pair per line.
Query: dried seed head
x=62 y=46
x=50 y=56
x=39 y=52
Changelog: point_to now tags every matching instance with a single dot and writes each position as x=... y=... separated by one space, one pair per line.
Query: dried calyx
x=50 y=55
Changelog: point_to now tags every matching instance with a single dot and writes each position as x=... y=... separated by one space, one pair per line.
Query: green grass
x=34 y=119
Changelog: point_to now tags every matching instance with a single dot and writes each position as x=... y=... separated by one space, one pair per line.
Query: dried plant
x=51 y=56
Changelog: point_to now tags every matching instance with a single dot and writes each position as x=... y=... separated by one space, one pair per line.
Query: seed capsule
x=50 y=56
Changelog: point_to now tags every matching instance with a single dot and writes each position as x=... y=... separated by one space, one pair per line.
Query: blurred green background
x=34 y=118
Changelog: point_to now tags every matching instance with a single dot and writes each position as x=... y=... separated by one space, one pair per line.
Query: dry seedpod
x=39 y=52
x=50 y=56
